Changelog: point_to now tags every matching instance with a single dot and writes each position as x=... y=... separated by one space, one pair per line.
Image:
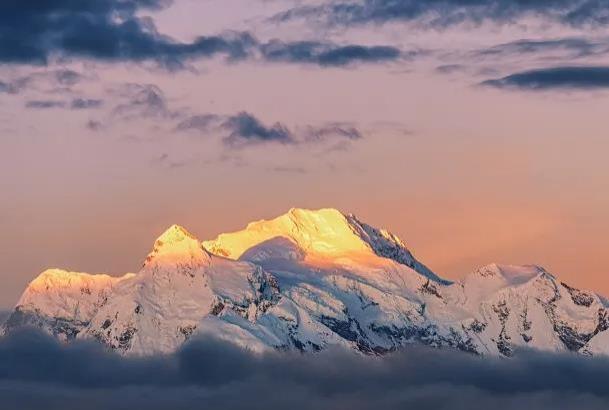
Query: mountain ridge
x=308 y=280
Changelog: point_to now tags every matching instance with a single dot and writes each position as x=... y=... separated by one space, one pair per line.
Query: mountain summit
x=324 y=234
x=307 y=280
x=174 y=245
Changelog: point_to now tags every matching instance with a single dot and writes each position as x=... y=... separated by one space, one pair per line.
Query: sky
x=474 y=130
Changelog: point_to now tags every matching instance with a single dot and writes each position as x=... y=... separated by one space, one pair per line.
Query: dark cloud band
x=325 y=54
x=443 y=13
x=583 y=78
x=243 y=129
x=112 y=30
x=38 y=372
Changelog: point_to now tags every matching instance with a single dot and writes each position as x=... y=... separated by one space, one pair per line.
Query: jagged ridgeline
x=308 y=280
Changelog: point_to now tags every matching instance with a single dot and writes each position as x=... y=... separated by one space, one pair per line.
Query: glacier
x=308 y=280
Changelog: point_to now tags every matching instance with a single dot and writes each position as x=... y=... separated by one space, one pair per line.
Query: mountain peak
x=175 y=234
x=496 y=274
x=324 y=233
x=332 y=213
x=176 y=244
x=59 y=278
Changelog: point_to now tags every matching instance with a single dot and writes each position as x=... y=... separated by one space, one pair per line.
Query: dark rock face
x=62 y=328
x=477 y=326
x=503 y=341
x=579 y=297
x=571 y=338
x=125 y=338
x=427 y=335
x=347 y=329
x=430 y=289
x=187 y=331
x=568 y=333
x=107 y=323
x=217 y=308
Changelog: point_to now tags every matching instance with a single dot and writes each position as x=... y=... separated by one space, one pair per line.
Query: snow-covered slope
x=307 y=280
x=62 y=302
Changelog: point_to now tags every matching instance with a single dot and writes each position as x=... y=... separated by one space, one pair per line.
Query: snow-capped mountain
x=307 y=280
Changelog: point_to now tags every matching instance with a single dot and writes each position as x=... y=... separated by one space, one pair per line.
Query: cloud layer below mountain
x=36 y=372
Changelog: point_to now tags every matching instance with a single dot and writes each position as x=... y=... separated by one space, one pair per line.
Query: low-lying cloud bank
x=37 y=372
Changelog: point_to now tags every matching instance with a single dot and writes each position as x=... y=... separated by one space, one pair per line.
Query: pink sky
x=464 y=174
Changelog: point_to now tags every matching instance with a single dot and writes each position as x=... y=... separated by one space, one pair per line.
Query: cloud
x=166 y=161
x=573 y=47
x=450 y=68
x=141 y=101
x=67 y=77
x=40 y=80
x=38 y=372
x=239 y=129
x=244 y=128
x=45 y=104
x=14 y=86
x=85 y=103
x=555 y=78
x=444 y=13
x=109 y=30
x=6 y=88
x=94 y=125
x=334 y=130
x=113 y=30
x=75 y=104
x=327 y=54
x=202 y=122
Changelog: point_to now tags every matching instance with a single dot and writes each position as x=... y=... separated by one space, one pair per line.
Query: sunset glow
x=304 y=204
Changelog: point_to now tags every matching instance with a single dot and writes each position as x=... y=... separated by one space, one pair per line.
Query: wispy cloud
x=568 y=48
x=38 y=80
x=45 y=104
x=327 y=54
x=245 y=129
x=8 y=88
x=75 y=104
x=201 y=122
x=165 y=160
x=444 y=13
x=555 y=78
x=141 y=101
x=333 y=130
x=67 y=77
x=85 y=103
x=94 y=125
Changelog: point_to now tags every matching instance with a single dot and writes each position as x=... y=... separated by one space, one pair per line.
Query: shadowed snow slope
x=308 y=280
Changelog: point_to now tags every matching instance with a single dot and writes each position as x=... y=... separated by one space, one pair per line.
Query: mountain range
x=307 y=280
